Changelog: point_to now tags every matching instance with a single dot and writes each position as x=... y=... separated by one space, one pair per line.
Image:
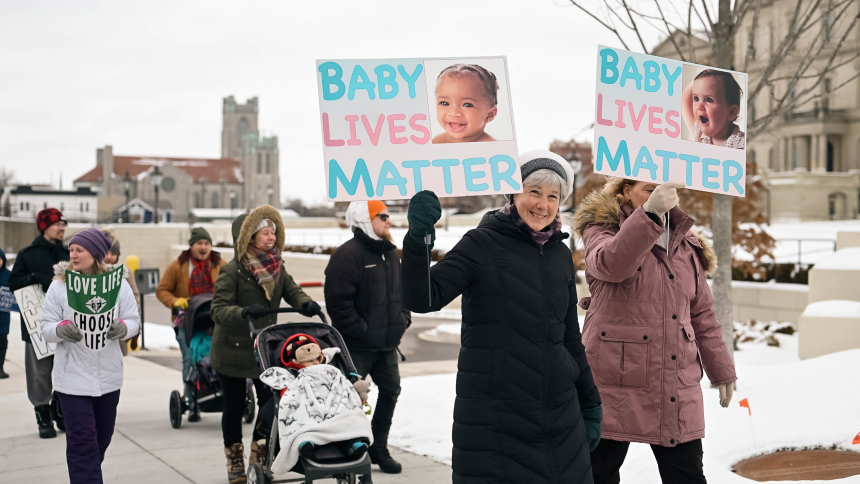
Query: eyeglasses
x=384 y=217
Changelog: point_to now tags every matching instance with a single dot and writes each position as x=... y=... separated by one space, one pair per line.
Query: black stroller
x=327 y=461
x=203 y=382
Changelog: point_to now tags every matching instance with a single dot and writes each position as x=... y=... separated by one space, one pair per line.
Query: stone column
x=822 y=152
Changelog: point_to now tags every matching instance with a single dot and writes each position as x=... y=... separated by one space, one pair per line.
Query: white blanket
x=320 y=405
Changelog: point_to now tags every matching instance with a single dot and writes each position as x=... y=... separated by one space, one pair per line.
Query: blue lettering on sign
x=333 y=87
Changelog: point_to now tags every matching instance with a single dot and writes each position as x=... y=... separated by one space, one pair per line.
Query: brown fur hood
x=244 y=225
x=602 y=209
x=61 y=267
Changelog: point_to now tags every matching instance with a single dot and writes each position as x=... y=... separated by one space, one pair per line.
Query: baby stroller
x=203 y=382
x=327 y=461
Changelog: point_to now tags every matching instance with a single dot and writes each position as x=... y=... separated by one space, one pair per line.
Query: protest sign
x=30 y=301
x=92 y=300
x=7 y=300
x=394 y=127
x=661 y=120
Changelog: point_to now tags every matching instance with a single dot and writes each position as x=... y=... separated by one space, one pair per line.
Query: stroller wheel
x=175 y=409
x=250 y=407
x=256 y=475
x=346 y=479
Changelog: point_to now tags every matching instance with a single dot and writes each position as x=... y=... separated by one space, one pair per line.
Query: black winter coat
x=35 y=265
x=522 y=371
x=362 y=294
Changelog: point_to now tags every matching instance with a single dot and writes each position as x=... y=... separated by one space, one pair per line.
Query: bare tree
x=7 y=177
x=815 y=41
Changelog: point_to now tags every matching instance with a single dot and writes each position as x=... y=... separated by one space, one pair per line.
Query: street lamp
x=156 y=178
x=126 y=185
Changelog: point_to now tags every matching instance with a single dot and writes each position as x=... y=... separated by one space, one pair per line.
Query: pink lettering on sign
x=327 y=134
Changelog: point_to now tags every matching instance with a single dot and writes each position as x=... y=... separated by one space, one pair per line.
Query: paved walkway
x=145 y=448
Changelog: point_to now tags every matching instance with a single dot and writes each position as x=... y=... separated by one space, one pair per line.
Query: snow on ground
x=159 y=337
x=794 y=403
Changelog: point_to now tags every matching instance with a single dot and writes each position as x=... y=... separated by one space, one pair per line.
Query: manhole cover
x=801 y=465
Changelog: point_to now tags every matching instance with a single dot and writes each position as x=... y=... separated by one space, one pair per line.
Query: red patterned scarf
x=265 y=265
x=200 y=281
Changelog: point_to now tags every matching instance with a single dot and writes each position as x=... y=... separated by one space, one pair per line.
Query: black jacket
x=522 y=372
x=362 y=294
x=35 y=265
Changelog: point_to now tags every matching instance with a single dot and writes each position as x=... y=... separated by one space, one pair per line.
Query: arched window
x=196 y=200
x=215 y=200
x=267 y=164
x=259 y=163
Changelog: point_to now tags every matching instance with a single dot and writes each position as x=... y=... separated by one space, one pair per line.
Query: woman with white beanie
x=527 y=408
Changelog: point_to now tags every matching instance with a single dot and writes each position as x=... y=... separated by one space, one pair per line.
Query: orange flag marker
x=856 y=439
x=746 y=403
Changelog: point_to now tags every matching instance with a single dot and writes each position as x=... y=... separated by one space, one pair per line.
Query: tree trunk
x=721 y=225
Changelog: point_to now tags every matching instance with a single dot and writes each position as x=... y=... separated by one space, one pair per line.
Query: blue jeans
x=187 y=367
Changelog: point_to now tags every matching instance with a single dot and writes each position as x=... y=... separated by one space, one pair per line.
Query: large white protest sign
x=661 y=120
x=394 y=127
x=30 y=301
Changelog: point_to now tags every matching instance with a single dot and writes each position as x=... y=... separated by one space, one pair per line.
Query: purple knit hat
x=96 y=242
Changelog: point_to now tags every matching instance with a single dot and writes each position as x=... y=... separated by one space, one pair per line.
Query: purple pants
x=89 y=428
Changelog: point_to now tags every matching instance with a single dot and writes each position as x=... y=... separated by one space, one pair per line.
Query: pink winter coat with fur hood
x=650 y=325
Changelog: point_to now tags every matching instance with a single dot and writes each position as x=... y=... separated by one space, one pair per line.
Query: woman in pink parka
x=650 y=327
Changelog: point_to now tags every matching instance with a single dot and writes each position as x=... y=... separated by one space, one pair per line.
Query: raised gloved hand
x=254 y=312
x=592 y=417
x=117 y=330
x=726 y=391
x=310 y=308
x=424 y=212
x=181 y=303
x=67 y=331
x=663 y=199
x=363 y=389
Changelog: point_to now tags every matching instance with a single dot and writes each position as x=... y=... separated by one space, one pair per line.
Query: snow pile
x=833 y=309
x=753 y=331
x=795 y=404
x=847 y=259
x=159 y=337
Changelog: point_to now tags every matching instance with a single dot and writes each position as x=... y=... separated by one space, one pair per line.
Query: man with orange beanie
x=362 y=295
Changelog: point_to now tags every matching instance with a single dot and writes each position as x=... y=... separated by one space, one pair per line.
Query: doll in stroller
x=202 y=389
x=341 y=432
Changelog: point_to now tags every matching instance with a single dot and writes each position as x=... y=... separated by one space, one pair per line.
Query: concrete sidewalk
x=145 y=448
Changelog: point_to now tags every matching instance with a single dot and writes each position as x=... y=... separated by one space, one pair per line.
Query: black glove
x=254 y=312
x=310 y=308
x=592 y=418
x=424 y=212
x=46 y=282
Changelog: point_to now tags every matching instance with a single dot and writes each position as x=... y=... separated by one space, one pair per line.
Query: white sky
x=148 y=77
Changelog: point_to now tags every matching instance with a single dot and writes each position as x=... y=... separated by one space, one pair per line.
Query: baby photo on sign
x=714 y=107
x=469 y=100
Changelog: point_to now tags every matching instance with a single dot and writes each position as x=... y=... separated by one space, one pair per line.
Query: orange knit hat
x=374 y=207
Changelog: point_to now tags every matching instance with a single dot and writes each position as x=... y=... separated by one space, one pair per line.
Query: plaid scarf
x=265 y=265
x=540 y=238
x=200 y=281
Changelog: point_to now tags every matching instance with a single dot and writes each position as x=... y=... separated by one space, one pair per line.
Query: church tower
x=260 y=157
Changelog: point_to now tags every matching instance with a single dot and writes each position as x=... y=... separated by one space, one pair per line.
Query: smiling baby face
x=462 y=108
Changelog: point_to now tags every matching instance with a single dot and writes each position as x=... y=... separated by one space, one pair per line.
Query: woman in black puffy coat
x=527 y=408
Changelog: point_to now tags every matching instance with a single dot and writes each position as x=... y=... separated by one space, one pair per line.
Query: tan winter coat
x=650 y=325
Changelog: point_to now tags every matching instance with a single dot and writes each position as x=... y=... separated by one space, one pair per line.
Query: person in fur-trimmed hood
x=254 y=281
x=650 y=327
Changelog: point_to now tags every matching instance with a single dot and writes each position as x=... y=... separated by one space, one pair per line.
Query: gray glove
x=726 y=392
x=67 y=331
x=663 y=199
x=117 y=330
x=363 y=389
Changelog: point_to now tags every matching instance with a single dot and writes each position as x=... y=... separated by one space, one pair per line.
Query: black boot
x=57 y=413
x=3 y=374
x=46 y=425
x=379 y=455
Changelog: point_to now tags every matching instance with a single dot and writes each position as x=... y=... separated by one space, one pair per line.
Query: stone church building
x=246 y=175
